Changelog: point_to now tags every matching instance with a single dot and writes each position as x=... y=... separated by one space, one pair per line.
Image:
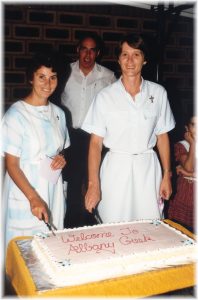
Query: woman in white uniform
x=33 y=130
x=130 y=117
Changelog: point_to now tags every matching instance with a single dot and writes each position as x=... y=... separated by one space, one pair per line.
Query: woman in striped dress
x=33 y=130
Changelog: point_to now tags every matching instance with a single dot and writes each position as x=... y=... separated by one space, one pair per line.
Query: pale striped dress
x=30 y=133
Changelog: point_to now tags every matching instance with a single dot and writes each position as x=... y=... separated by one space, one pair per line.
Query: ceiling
x=185 y=8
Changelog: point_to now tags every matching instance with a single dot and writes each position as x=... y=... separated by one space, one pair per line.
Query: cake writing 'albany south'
x=93 y=253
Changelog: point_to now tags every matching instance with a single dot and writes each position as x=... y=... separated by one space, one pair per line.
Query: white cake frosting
x=94 y=253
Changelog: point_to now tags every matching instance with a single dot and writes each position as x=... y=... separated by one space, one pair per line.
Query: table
x=139 y=285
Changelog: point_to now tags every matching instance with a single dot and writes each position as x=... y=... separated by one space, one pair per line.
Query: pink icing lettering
x=83 y=237
x=125 y=240
x=97 y=248
x=128 y=231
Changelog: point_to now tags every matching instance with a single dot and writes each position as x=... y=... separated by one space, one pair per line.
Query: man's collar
x=96 y=67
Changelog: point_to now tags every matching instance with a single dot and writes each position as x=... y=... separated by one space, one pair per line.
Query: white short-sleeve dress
x=130 y=172
x=30 y=133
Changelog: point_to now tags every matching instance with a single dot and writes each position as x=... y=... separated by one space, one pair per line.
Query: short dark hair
x=92 y=35
x=133 y=40
x=49 y=60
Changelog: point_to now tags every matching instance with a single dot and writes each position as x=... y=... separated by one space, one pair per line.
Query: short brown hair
x=133 y=40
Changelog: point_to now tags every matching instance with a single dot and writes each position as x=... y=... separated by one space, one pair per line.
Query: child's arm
x=187 y=160
x=181 y=171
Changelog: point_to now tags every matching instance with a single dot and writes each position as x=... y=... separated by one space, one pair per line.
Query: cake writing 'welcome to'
x=88 y=254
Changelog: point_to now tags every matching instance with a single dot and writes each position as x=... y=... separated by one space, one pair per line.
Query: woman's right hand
x=92 y=197
x=39 y=208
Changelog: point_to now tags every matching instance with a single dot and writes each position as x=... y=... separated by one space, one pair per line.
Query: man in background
x=86 y=79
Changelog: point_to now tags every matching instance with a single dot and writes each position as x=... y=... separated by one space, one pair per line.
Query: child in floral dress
x=182 y=206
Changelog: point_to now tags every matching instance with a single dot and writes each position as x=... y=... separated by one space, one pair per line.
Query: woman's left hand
x=166 y=187
x=58 y=162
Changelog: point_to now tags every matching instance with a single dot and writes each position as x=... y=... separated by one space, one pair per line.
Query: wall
x=29 y=28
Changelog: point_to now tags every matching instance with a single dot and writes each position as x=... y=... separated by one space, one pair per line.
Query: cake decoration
x=156 y=222
x=65 y=262
x=188 y=242
x=43 y=235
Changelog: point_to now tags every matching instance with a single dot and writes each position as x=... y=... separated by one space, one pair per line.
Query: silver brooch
x=151 y=98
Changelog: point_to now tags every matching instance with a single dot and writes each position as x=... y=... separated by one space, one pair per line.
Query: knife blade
x=50 y=227
x=96 y=216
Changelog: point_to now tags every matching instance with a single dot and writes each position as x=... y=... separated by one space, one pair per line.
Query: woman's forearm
x=94 y=160
x=93 y=195
x=163 y=146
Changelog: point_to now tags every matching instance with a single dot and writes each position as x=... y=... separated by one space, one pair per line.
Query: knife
x=51 y=227
x=96 y=216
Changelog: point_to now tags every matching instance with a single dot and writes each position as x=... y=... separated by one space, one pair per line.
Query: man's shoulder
x=104 y=70
x=74 y=64
x=110 y=89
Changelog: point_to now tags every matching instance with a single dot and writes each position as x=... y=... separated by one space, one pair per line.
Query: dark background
x=32 y=27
